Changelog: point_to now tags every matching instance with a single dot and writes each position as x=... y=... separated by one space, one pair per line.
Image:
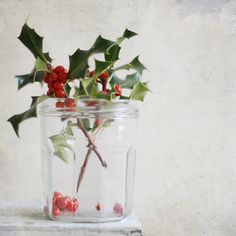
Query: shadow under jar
x=88 y=158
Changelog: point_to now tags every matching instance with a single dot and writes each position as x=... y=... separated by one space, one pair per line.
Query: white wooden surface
x=20 y=218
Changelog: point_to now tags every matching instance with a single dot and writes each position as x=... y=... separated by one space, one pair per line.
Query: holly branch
x=100 y=82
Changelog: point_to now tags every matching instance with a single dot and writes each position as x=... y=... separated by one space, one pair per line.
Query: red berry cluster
x=62 y=204
x=103 y=78
x=56 y=79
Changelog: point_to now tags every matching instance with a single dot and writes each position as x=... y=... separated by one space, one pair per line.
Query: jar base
x=80 y=219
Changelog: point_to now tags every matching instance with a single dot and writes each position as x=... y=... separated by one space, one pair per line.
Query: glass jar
x=88 y=158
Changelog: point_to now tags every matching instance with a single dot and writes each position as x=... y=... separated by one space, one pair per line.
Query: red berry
x=50 y=91
x=70 y=102
x=118 y=90
x=50 y=86
x=98 y=207
x=55 y=211
x=46 y=79
x=72 y=205
x=60 y=104
x=56 y=196
x=58 y=69
x=58 y=85
x=118 y=209
x=104 y=75
x=62 y=202
x=62 y=76
x=52 y=77
x=91 y=74
x=60 y=93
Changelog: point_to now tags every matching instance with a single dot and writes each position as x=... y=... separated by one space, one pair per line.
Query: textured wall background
x=186 y=165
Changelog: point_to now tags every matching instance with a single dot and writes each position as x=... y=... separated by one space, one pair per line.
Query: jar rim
x=88 y=107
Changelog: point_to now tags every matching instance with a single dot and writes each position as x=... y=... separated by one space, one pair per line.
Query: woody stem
x=91 y=143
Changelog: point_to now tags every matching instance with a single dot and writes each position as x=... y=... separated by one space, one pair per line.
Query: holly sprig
x=79 y=70
x=80 y=81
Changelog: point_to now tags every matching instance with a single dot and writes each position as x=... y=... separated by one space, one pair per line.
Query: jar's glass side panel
x=130 y=174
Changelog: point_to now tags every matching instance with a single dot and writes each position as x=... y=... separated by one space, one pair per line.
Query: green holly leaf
x=101 y=67
x=139 y=91
x=30 y=78
x=47 y=57
x=36 y=75
x=33 y=42
x=67 y=89
x=40 y=65
x=77 y=91
x=128 y=82
x=95 y=91
x=60 y=143
x=79 y=60
x=87 y=85
x=126 y=35
x=129 y=34
x=135 y=64
x=32 y=112
x=113 y=52
x=104 y=96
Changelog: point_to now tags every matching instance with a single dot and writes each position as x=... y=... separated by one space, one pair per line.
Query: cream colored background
x=186 y=165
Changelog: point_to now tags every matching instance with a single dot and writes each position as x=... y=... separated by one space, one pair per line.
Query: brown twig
x=83 y=168
x=93 y=146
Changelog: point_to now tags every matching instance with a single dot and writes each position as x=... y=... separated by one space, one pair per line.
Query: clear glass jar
x=88 y=158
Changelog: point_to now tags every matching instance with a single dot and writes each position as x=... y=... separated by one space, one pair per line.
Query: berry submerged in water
x=118 y=209
x=55 y=211
x=98 y=206
x=72 y=205
x=56 y=196
x=63 y=204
